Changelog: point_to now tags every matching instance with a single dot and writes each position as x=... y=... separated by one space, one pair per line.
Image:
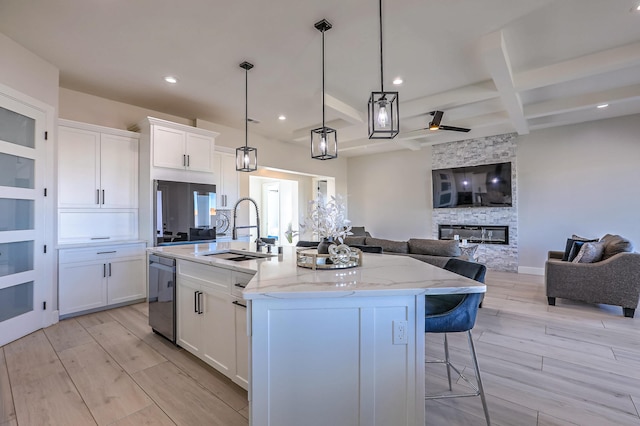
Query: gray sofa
x=435 y=252
x=612 y=280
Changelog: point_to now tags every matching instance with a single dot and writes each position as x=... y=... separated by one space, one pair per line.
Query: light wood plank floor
x=570 y=364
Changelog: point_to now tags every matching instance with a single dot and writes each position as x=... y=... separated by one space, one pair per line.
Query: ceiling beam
x=584 y=66
x=497 y=62
x=575 y=103
x=445 y=100
x=343 y=110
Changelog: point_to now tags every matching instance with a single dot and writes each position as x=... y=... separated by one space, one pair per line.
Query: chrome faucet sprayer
x=234 y=232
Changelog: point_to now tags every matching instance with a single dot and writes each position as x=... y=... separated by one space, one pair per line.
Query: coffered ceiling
x=494 y=66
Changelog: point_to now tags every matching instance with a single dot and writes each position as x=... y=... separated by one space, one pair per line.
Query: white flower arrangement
x=327 y=219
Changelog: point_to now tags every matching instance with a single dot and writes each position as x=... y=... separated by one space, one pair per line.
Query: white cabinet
x=208 y=318
x=97 y=183
x=96 y=169
x=97 y=277
x=177 y=148
x=227 y=182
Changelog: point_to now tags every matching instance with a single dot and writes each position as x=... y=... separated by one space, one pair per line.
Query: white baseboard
x=530 y=271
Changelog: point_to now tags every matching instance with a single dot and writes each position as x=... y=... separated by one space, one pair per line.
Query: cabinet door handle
x=184 y=160
x=235 y=302
x=195 y=302
x=104 y=270
x=109 y=269
x=188 y=160
x=240 y=285
x=103 y=196
x=200 y=311
x=97 y=196
x=225 y=200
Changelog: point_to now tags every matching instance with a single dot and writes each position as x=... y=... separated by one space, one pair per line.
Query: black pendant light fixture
x=246 y=156
x=324 y=140
x=384 y=120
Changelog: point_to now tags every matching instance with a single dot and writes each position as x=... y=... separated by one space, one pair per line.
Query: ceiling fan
x=435 y=123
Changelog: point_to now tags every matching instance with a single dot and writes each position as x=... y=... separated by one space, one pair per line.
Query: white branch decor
x=327 y=219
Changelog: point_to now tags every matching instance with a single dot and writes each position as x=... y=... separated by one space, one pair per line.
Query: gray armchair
x=614 y=281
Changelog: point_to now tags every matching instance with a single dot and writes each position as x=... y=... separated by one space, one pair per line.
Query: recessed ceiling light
x=282 y=117
x=171 y=79
x=397 y=81
x=603 y=106
x=635 y=9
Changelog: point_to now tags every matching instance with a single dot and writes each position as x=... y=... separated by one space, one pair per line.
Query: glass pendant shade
x=246 y=159
x=324 y=143
x=383 y=115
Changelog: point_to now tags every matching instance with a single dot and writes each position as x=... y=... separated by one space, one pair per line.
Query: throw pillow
x=614 y=244
x=569 y=245
x=358 y=231
x=589 y=253
x=575 y=249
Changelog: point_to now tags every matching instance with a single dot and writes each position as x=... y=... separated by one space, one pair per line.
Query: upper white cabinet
x=176 y=146
x=96 y=168
x=227 y=182
x=97 y=183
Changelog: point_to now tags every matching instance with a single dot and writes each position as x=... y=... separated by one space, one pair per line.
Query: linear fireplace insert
x=484 y=234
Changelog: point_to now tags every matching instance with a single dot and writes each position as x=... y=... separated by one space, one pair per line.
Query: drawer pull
x=106 y=252
x=241 y=285
x=235 y=302
x=100 y=238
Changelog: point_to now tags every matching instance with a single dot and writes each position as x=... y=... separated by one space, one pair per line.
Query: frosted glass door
x=21 y=218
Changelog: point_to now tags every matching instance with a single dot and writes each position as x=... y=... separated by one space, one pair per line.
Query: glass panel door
x=22 y=154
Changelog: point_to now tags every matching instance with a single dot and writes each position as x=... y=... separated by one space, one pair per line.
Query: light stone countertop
x=279 y=276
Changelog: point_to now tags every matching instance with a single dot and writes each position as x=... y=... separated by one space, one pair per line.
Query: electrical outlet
x=400 y=333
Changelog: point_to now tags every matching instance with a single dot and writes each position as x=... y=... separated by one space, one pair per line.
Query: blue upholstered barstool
x=454 y=313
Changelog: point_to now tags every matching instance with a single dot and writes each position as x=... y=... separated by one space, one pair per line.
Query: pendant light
x=384 y=120
x=324 y=140
x=246 y=156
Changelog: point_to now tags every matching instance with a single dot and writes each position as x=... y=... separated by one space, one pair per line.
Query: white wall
x=581 y=179
x=390 y=194
x=78 y=106
x=27 y=73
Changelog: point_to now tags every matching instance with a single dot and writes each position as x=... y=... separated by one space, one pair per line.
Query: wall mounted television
x=486 y=185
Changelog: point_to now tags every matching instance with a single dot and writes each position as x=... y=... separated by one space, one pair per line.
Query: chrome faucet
x=234 y=232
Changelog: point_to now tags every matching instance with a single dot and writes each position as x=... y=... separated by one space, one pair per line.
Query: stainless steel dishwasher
x=162 y=296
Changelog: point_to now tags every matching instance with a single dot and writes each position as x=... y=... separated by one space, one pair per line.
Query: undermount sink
x=237 y=255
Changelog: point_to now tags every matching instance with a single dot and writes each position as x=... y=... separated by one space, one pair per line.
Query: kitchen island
x=339 y=347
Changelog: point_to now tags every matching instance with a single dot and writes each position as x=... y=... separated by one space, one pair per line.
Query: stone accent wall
x=473 y=152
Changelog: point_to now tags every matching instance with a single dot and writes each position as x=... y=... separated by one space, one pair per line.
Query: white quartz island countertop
x=279 y=277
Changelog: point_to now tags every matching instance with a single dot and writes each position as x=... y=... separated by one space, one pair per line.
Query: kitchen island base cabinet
x=357 y=355
x=207 y=318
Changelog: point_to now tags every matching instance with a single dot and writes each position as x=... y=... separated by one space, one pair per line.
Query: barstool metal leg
x=478 y=379
x=447 y=361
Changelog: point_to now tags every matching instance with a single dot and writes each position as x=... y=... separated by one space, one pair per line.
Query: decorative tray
x=346 y=258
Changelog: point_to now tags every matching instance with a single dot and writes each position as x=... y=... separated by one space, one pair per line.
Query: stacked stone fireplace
x=473 y=152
